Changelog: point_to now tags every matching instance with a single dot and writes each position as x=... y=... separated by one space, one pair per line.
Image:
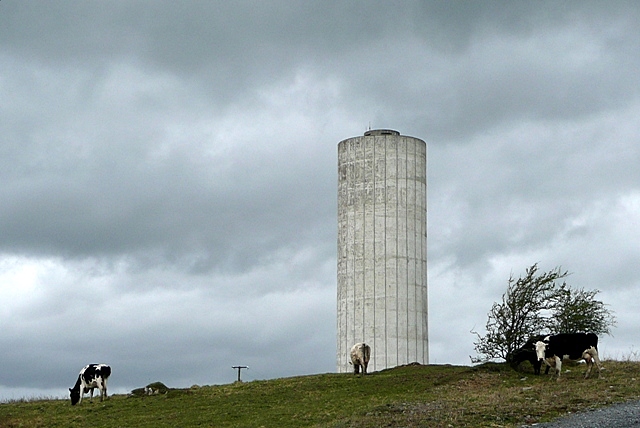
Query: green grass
x=490 y=395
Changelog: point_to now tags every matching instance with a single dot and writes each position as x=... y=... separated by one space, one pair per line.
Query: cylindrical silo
x=382 y=248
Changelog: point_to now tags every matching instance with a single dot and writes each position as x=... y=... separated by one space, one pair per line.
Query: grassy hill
x=490 y=395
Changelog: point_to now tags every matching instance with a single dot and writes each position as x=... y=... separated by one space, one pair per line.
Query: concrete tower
x=382 y=248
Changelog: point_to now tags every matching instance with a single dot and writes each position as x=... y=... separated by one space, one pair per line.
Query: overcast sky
x=168 y=174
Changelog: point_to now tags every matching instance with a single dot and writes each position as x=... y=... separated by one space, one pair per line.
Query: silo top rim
x=381 y=132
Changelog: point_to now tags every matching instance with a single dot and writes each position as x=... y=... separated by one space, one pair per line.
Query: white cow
x=360 y=356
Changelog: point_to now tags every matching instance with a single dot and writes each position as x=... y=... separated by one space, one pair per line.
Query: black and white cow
x=527 y=352
x=90 y=377
x=360 y=355
x=569 y=346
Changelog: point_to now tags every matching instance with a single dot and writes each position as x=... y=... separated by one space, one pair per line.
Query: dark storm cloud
x=515 y=60
x=132 y=179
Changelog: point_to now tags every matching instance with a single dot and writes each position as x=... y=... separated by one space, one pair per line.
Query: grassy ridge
x=436 y=396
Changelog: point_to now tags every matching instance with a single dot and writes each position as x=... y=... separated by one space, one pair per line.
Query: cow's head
x=541 y=347
x=75 y=395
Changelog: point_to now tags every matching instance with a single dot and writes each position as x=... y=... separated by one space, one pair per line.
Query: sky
x=168 y=174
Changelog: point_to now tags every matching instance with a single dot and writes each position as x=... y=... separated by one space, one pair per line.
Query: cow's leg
x=364 y=368
x=588 y=359
x=558 y=363
x=356 y=368
x=591 y=357
x=536 y=367
x=596 y=358
x=91 y=395
x=104 y=389
x=589 y=362
x=81 y=394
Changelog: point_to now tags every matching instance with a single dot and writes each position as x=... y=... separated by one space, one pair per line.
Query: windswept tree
x=538 y=304
x=577 y=310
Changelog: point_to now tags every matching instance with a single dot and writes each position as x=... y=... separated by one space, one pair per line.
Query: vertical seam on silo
x=407 y=232
x=345 y=243
x=364 y=237
x=340 y=201
x=351 y=248
x=416 y=230
x=348 y=266
x=355 y=240
x=402 y=264
x=385 y=252
x=406 y=239
x=340 y=242
x=351 y=283
x=396 y=256
x=417 y=240
x=338 y=321
x=406 y=245
x=374 y=212
x=419 y=193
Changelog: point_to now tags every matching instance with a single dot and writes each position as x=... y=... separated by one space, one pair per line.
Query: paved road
x=624 y=415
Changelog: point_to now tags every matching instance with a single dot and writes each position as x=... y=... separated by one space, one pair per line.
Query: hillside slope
x=435 y=395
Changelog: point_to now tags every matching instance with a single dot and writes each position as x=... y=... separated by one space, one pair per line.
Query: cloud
x=169 y=173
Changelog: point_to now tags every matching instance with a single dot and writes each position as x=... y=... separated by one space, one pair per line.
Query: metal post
x=239 y=368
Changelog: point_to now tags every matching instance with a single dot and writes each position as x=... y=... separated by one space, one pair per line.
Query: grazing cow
x=569 y=346
x=90 y=377
x=360 y=355
x=527 y=352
